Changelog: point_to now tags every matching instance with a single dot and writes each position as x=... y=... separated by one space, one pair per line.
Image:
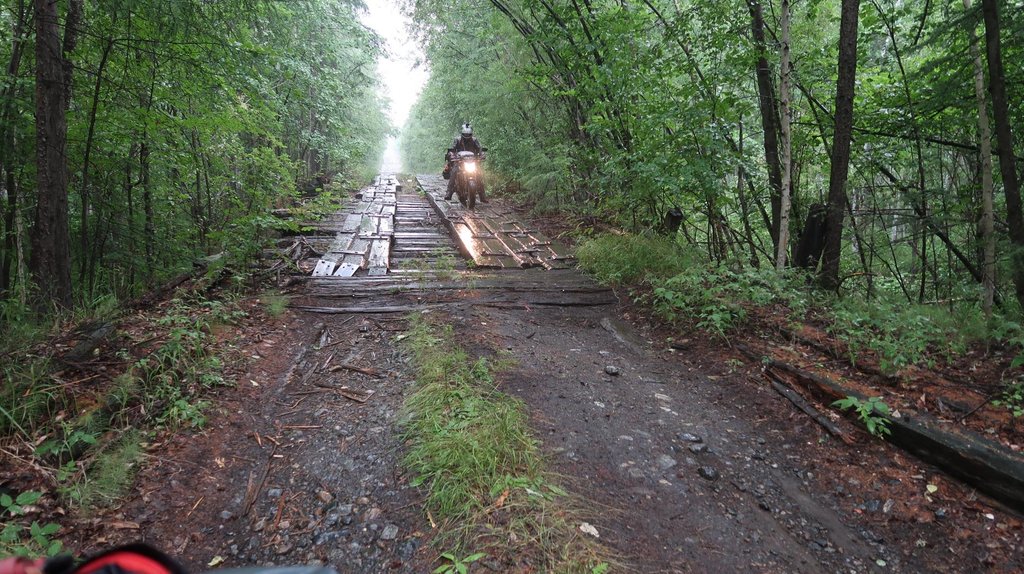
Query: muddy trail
x=686 y=459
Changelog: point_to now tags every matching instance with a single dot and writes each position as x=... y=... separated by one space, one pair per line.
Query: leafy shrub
x=19 y=540
x=717 y=296
x=1012 y=398
x=874 y=413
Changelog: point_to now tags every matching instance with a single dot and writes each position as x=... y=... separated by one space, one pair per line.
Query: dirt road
x=687 y=462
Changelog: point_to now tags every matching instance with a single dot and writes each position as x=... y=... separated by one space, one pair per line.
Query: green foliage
x=190 y=120
x=71 y=439
x=20 y=327
x=874 y=413
x=181 y=412
x=110 y=475
x=470 y=447
x=275 y=303
x=27 y=397
x=718 y=297
x=900 y=335
x=456 y=565
x=19 y=540
x=1012 y=399
x=627 y=111
x=631 y=259
x=465 y=437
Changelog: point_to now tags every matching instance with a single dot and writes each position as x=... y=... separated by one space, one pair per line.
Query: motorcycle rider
x=464 y=142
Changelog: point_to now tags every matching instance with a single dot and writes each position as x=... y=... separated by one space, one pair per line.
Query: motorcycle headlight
x=470 y=167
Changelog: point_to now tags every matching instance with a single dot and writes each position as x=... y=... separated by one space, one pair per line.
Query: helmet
x=467 y=131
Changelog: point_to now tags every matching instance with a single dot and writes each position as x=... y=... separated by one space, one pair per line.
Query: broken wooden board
x=364 y=231
x=378 y=259
x=324 y=268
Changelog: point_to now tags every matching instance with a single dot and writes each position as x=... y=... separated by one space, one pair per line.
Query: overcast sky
x=402 y=79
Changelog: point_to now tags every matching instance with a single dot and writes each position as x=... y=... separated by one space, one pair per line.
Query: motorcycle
x=467 y=171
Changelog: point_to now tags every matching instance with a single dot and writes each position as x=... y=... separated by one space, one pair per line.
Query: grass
x=631 y=259
x=470 y=447
x=86 y=438
x=275 y=303
x=109 y=476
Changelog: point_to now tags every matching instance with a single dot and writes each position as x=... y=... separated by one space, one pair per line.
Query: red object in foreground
x=21 y=566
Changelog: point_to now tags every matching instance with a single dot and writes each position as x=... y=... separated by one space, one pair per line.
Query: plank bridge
x=388 y=241
x=382 y=225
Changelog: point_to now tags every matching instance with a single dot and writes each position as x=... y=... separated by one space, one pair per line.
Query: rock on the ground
x=708 y=473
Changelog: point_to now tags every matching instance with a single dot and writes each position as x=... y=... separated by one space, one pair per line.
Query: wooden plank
x=351 y=223
x=378 y=259
x=355 y=259
x=323 y=268
x=367 y=226
x=339 y=245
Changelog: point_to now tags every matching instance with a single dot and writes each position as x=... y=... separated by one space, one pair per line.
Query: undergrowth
x=683 y=288
x=471 y=449
x=87 y=438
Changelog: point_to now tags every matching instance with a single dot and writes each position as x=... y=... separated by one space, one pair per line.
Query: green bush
x=717 y=296
x=631 y=259
x=901 y=334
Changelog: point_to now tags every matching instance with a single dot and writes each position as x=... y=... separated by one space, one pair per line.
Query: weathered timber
x=86 y=345
x=808 y=409
x=378 y=259
x=363 y=309
x=984 y=464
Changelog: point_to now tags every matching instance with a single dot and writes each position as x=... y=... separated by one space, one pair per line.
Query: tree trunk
x=840 y=167
x=83 y=239
x=986 y=229
x=51 y=241
x=1004 y=139
x=744 y=207
x=782 y=247
x=769 y=118
x=148 y=227
x=7 y=142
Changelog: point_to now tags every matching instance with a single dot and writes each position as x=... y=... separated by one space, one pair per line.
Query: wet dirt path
x=686 y=465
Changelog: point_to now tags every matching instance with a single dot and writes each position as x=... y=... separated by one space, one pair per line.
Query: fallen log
x=85 y=347
x=986 y=465
x=808 y=409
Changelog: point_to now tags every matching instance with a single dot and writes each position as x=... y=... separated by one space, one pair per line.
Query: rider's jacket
x=465 y=144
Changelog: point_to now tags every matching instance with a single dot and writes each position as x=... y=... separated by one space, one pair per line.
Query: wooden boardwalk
x=491 y=236
x=382 y=231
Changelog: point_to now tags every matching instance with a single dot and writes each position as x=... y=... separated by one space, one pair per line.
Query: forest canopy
x=185 y=122
x=732 y=114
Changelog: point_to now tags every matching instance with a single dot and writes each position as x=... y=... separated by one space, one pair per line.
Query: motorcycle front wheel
x=472 y=192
